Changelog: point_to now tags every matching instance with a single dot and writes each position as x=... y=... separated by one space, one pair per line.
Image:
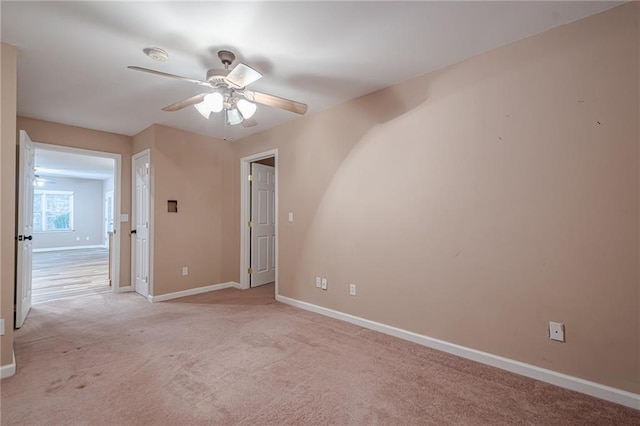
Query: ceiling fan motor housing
x=216 y=77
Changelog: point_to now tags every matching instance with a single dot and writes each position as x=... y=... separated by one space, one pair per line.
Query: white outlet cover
x=1 y=326
x=318 y=282
x=324 y=283
x=185 y=270
x=556 y=331
x=290 y=217
x=352 y=289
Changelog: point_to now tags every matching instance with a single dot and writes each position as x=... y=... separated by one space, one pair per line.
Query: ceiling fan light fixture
x=247 y=109
x=233 y=117
x=203 y=109
x=214 y=101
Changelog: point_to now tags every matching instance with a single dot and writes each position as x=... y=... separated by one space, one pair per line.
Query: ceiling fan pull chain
x=225 y=124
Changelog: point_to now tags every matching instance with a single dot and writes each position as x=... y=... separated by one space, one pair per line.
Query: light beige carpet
x=234 y=357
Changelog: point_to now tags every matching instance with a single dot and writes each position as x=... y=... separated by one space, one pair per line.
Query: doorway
x=62 y=191
x=259 y=213
x=263 y=223
x=71 y=256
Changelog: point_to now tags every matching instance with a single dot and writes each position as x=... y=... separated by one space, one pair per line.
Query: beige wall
x=144 y=140
x=77 y=137
x=196 y=171
x=477 y=203
x=8 y=195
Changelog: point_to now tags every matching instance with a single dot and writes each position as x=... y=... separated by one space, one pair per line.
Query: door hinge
x=146 y=168
x=146 y=224
x=250 y=177
x=250 y=271
x=250 y=224
x=146 y=280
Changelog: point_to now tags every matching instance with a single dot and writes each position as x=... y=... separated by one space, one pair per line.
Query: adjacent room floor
x=240 y=357
x=69 y=273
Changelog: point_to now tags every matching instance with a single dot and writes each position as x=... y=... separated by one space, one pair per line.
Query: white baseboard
x=192 y=291
x=41 y=250
x=8 y=370
x=125 y=289
x=577 y=384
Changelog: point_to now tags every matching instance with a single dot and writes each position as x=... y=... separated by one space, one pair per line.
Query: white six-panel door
x=263 y=230
x=26 y=172
x=140 y=231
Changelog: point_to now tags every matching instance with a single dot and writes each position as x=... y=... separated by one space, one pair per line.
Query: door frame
x=245 y=214
x=106 y=196
x=134 y=157
x=257 y=229
x=117 y=193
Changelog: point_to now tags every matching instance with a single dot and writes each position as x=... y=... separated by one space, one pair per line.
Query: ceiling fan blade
x=164 y=74
x=185 y=103
x=241 y=76
x=274 y=101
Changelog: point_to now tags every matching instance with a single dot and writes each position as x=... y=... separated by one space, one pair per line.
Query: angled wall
x=477 y=203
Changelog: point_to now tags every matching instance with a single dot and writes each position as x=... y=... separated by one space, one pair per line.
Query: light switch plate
x=318 y=282
x=324 y=283
x=1 y=326
x=124 y=217
x=556 y=331
x=290 y=217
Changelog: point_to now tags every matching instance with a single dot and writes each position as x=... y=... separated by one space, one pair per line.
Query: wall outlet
x=556 y=331
x=318 y=282
x=185 y=271
x=290 y=217
x=1 y=326
x=352 y=289
x=324 y=284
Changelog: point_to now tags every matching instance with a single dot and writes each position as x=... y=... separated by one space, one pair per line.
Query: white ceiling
x=68 y=164
x=73 y=56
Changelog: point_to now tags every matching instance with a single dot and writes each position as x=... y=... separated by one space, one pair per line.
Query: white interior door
x=26 y=171
x=263 y=230
x=140 y=232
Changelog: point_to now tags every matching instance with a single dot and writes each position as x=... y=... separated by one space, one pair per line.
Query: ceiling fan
x=226 y=91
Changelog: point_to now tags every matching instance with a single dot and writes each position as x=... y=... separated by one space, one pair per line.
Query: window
x=52 y=210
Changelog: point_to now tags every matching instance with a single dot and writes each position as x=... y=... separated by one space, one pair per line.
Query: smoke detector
x=156 y=54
